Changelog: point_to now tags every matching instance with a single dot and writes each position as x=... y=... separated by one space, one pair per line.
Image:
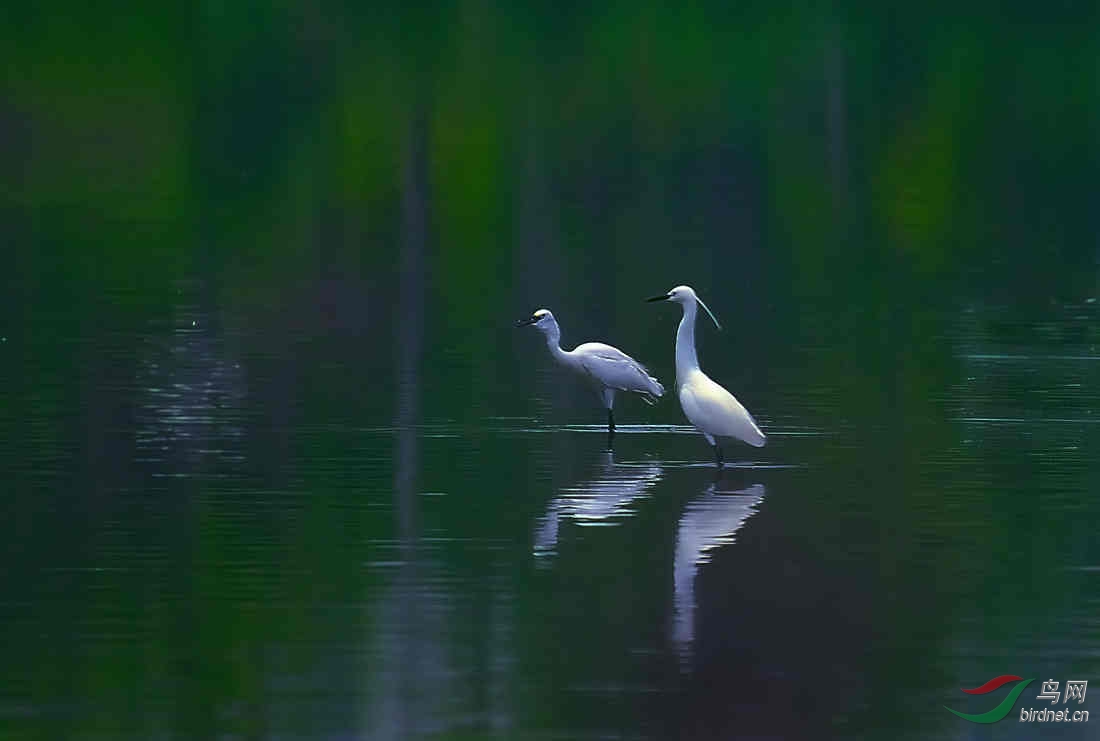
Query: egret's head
x=686 y=296
x=541 y=319
x=679 y=294
x=682 y=294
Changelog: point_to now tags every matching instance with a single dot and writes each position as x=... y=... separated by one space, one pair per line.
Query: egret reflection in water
x=709 y=522
x=606 y=497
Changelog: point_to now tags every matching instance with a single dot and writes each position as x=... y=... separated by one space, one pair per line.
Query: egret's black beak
x=659 y=298
x=525 y=322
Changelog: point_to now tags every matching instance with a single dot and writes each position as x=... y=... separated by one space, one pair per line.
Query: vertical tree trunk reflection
x=400 y=633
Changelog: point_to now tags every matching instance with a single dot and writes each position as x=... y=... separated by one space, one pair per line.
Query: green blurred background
x=845 y=154
x=249 y=245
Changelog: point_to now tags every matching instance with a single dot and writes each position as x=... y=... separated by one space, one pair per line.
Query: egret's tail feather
x=756 y=436
x=654 y=392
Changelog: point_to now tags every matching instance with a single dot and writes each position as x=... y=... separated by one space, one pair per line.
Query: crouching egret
x=608 y=368
x=713 y=410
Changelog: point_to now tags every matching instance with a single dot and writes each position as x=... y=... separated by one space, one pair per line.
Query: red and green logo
x=1004 y=708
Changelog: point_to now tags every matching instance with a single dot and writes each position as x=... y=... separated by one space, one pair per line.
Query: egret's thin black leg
x=610 y=429
x=718 y=455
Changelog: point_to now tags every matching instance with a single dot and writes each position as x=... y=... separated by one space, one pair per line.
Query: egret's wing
x=714 y=410
x=615 y=369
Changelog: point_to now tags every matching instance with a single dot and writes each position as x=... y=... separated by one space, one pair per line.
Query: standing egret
x=609 y=368
x=713 y=410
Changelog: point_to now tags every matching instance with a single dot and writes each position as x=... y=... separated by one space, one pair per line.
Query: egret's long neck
x=686 y=360
x=553 y=342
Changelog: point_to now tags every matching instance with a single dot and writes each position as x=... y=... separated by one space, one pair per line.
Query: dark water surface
x=200 y=546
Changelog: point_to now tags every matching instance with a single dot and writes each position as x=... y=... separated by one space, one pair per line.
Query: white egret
x=608 y=368
x=713 y=410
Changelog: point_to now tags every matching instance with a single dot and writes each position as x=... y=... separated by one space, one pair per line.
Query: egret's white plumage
x=608 y=368
x=713 y=410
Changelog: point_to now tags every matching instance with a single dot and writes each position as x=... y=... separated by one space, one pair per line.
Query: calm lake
x=277 y=465
x=205 y=541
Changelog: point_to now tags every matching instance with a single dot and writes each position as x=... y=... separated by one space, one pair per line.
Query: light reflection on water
x=709 y=522
x=425 y=675
x=193 y=394
x=609 y=495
